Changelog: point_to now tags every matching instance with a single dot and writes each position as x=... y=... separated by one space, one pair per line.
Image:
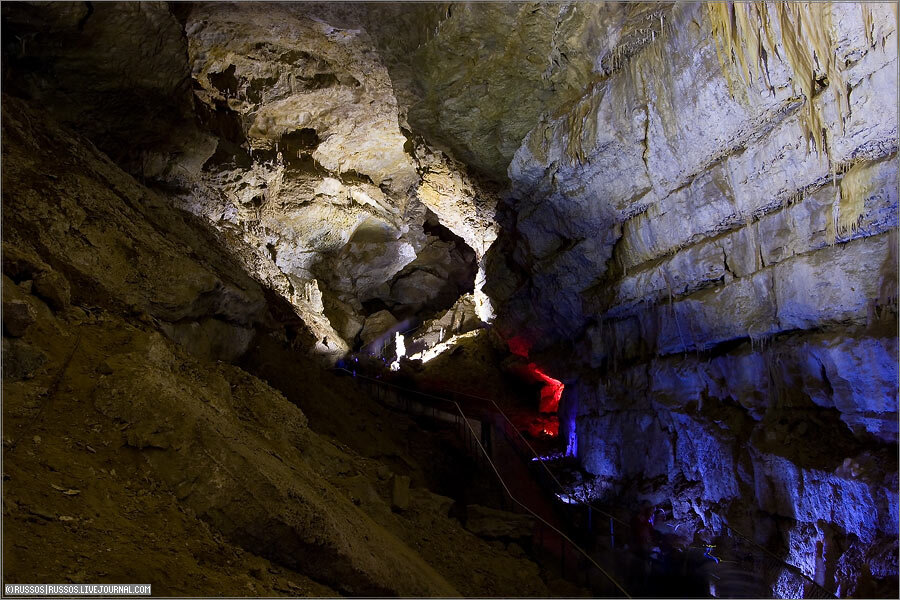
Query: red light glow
x=546 y=427
x=550 y=393
x=519 y=346
x=552 y=390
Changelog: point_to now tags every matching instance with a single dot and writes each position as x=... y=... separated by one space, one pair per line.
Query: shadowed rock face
x=723 y=296
x=118 y=247
x=282 y=131
x=476 y=78
x=690 y=217
x=114 y=71
x=119 y=311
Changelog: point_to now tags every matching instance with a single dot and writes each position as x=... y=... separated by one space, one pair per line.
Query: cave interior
x=493 y=299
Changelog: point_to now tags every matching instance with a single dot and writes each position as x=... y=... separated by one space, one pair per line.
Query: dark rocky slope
x=129 y=456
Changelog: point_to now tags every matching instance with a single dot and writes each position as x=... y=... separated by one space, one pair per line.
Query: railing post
x=612 y=534
x=587 y=572
x=562 y=544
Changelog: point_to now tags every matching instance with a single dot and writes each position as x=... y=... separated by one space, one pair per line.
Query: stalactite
x=582 y=125
x=868 y=23
x=582 y=119
x=658 y=62
x=744 y=36
x=849 y=203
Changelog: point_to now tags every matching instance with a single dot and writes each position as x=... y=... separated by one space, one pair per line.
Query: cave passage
x=416 y=299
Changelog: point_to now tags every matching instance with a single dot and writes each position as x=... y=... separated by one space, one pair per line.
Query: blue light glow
x=567 y=498
x=548 y=457
x=572 y=439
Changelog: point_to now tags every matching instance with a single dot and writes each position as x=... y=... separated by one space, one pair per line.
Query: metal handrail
x=518 y=433
x=792 y=568
x=496 y=471
x=759 y=547
x=559 y=484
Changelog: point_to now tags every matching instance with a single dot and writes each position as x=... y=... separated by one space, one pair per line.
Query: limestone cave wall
x=716 y=280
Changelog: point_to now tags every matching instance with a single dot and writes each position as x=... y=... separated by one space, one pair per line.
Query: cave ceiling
x=355 y=154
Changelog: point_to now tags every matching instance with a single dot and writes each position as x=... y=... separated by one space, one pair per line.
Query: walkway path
x=609 y=569
x=523 y=494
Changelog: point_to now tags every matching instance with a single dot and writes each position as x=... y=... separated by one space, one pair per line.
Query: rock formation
x=686 y=213
x=722 y=286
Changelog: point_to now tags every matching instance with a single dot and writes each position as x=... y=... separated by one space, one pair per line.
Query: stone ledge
x=836 y=284
x=852 y=370
x=795 y=229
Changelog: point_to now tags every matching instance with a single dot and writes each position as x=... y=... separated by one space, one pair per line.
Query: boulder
x=433 y=503
x=53 y=288
x=20 y=263
x=17 y=317
x=400 y=493
x=21 y=360
x=417 y=289
x=212 y=339
x=376 y=325
x=344 y=318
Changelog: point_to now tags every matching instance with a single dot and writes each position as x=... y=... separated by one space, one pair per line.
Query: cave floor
x=85 y=501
